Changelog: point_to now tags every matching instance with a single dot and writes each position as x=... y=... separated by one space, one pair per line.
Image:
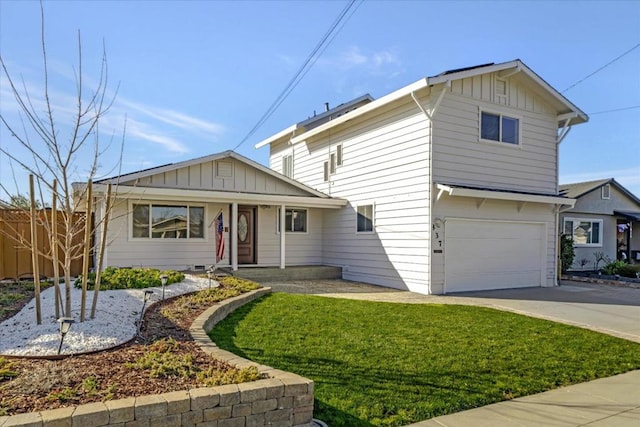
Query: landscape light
x=147 y=296
x=164 y=279
x=210 y=275
x=65 y=325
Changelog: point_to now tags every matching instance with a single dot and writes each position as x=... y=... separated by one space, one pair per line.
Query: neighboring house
x=605 y=219
x=451 y=182
x=165 y=217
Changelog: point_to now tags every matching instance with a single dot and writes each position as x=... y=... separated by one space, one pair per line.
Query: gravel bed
x=115 y=322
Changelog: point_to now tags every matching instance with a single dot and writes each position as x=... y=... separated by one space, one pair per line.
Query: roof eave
x=505 y=195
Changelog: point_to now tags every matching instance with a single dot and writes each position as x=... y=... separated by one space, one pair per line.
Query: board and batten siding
x=460 y=157
x=175 y=254
x=226 y=174
x=385 y=164
x=494 y=210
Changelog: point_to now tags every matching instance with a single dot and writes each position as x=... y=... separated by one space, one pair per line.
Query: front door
x=246 y=235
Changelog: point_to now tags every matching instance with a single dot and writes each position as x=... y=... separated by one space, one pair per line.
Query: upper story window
x=585 y=232
x=498 y=127
x=167 y=221
x=364 y=218
x=339 y=155
x=287 y=165
x=606 y=191
x=295 y=220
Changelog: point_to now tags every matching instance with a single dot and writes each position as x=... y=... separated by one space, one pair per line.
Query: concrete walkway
x=613 y=401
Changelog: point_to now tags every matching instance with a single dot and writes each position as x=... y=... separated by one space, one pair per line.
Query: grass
x=13 y=296
x=394 y=364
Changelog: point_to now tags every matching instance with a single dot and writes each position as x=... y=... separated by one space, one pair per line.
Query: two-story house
x=449 y=184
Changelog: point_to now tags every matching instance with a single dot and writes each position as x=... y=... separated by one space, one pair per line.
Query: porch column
x=283 y=233
x=234 y=236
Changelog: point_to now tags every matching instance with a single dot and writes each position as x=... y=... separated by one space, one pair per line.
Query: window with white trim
x=158 y=221
x=584 y=231
x=606 y=191
x=295 y=220
x=364 y=218
x=332 y=163
x=339 y=155
x=499 y=127
x=326 y=171
x=287 y=165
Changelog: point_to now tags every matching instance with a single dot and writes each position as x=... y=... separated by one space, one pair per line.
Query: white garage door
x=482 y=255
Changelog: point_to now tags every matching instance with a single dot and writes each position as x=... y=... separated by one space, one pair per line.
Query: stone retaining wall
x=284 y=399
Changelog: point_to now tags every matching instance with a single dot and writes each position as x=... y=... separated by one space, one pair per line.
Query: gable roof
x=571 y=112
x=579 y=189
x=212 y=157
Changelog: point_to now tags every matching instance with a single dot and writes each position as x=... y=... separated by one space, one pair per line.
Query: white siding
x=301 y=248
x=461 y=158
x=495 y=210
x=178 y=254
x=385 y=163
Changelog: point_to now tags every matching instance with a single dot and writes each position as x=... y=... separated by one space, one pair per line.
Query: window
x=295 y=220
x=332 y=163
x=585 y=232
x=606 y=191
x=496 y=127
x=287 y=165
x=326 y=171
x=167 y=221
x=339 y=155
x=365 y=218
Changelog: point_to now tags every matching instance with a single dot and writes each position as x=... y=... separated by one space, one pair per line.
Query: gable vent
x=224 y=169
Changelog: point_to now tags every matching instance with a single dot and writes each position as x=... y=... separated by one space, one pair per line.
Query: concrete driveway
x=609 y=309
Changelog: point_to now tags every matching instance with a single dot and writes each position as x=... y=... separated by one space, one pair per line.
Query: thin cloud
x=139 y=130
x=353 y=57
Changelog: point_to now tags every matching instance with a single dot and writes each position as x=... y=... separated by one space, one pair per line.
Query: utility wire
x=615 y=110
x=301 y=71
x=601 y=68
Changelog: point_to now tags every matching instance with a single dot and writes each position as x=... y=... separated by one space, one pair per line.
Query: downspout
x=430 y=116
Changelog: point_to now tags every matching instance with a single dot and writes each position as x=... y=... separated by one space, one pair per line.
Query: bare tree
x=57 y=153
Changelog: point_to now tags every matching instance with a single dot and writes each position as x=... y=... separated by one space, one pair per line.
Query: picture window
x=167 y=221
x=584 y=232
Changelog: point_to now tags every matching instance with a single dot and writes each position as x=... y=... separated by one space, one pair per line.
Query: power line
x=602 y=68
x=614 y=110
x=302 y=71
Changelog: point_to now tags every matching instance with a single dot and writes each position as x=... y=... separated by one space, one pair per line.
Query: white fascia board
x=183 y=195
x=405 y=91
x=282 y=134
x=504 y=195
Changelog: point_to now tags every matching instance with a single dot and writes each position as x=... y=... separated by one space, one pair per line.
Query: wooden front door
x=246 y=235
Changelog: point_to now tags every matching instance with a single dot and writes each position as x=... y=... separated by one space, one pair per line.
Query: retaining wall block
x=121 y=410
x=203 y=398
x=256 y=420
x=174 y=420
x=218 y=413
x=231 y=422
x=250 y=392
x=60 y=417
x=137 y=423
x=178 y=402
x=31 y=419
x=90 y=415
x=229 y=394
x=261 y=406
x=285 y=402
x=192 y=418
x=241 y=410
x=151 y=406
x=278 y=415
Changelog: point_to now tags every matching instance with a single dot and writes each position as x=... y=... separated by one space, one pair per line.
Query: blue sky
x=195 y=76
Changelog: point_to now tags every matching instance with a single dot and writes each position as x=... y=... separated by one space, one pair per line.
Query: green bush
x=242 y=285
x=567 y=252
x=614 y=267
x=629 y=270
x=131 y=278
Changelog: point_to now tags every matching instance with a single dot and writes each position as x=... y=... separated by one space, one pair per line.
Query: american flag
x=219 y=238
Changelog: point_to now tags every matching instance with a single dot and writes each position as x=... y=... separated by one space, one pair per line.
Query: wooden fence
x=15 y=259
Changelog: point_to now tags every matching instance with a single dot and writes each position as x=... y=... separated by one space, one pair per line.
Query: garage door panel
x=481 y=255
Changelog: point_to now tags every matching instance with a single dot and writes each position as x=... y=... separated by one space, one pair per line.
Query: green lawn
x=393 y=364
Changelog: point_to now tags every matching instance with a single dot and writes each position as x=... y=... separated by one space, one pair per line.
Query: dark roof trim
x=633 y=216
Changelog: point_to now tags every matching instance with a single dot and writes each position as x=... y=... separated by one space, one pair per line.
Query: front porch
x=276 y=274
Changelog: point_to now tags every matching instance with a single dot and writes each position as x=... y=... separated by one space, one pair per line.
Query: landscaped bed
x=393 y=364
x=163 y=359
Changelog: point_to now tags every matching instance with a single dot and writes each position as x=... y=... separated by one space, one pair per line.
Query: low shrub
x=629 y=270
x=213 y=376
x=6 y=369
x=131 y=278
x=242 y=285
x=613 y=267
